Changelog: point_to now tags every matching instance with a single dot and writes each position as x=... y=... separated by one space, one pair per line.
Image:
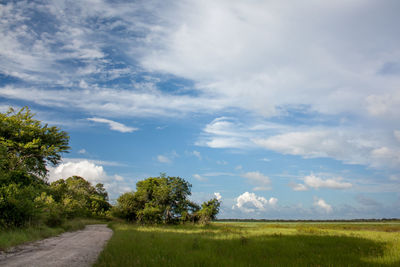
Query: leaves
x=28 y=144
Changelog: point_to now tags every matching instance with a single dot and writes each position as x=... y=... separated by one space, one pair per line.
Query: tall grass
x=12 y=237
x=251 y=244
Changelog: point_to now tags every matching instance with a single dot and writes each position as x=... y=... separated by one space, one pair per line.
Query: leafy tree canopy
x=163 y=199
x=27 y=145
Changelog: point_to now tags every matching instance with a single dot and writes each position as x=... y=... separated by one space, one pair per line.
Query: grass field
x=13 y=237
x=254 y=244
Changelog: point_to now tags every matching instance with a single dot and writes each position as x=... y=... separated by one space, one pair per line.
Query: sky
x=280 y=109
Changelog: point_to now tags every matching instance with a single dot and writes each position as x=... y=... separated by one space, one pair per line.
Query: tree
x=27 y=145
x=26 y=148
x=209 y=210
x=79 y=197
x=159 y=199
x=127 y=207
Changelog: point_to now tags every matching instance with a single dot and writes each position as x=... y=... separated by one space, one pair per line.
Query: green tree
x=159 y=199
x=127 y=207
x=79 y=198
x=209 y=210
x=26 y=148
x=27 y=145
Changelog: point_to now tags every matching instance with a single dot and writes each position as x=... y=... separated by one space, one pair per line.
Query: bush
x=17 y=207
x=51 y=212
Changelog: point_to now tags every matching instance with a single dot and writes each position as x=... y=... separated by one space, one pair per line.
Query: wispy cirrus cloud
x=116 y=126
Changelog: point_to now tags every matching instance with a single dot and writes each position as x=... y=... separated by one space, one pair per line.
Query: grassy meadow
x=254 y=244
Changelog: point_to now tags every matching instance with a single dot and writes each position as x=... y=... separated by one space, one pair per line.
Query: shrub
x=17 y=207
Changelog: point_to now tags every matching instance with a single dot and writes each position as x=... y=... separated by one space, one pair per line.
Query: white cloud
x=322 y=205
x=298 y=187
x=116 y=126
x=224 y=132
x=167 y=157
x=92 y=172
x=316 y=182
x=258 y=56
x=332 y=83
x=97 y=162
x=82 y=151
x=272 y=201
x=199 y=177
x=347 y=146
x=250 y=202
x=163 y=159
x=88 y=170
x=261 y=181
x=218 y=195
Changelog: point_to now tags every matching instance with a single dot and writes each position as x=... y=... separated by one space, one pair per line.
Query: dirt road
x=80 y=248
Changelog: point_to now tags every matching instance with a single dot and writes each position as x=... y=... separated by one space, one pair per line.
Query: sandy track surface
x=80 y=248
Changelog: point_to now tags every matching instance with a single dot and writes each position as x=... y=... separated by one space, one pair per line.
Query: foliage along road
x=80 y=248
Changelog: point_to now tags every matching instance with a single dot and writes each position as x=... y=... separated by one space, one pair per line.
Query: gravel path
x=80 y=248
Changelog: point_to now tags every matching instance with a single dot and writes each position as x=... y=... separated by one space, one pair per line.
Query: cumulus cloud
x=317 y=182
x=250 y=202
x=91 y=171
x=320 y=204
x=261 y=181
x=218 y=195
x=116 y=126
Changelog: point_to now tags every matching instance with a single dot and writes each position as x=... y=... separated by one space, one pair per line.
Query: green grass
x=13 y=237
x=254 y=244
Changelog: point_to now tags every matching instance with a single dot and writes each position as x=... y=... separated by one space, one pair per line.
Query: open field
x=254 y=244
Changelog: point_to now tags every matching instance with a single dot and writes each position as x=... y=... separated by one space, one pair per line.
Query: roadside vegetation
x=252 y=244
x=32 y=208
x=16 y=236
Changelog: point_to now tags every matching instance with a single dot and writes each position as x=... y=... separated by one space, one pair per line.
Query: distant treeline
x=279 y=220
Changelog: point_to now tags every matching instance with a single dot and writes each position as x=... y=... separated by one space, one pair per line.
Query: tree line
x=28 y=147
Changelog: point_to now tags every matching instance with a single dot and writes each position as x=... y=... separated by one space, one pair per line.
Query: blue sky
x=282 y=109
